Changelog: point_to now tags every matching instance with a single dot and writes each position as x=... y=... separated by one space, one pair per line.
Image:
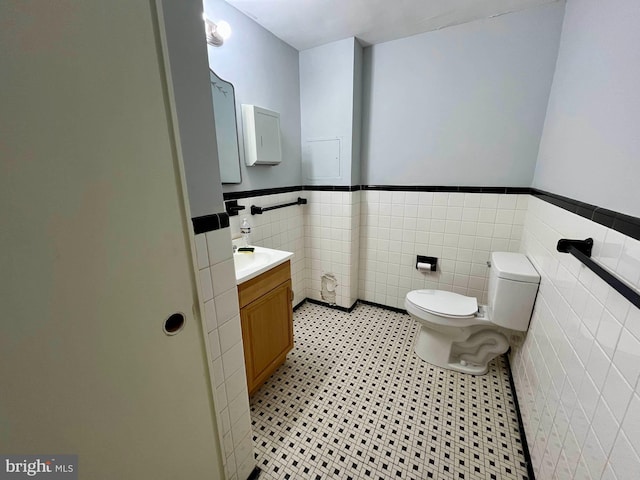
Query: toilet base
x=464 y=350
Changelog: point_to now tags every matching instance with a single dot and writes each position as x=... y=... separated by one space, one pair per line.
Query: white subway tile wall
x=282 y=229
x=324 y=236
x=332 y=242
x=460 y=229
x=576 y=374
x=218 y=291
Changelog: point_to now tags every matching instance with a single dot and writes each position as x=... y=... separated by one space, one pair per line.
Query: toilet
x=458 y=334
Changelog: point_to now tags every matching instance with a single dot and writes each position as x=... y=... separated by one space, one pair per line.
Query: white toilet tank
x=513 y=285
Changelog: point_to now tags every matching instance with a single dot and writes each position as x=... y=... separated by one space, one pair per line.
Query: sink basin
x=251 y=264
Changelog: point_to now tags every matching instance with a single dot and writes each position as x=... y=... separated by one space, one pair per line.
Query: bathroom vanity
x=266 y=317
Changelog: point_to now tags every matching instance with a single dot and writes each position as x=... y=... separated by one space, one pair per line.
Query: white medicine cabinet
x=261 y=136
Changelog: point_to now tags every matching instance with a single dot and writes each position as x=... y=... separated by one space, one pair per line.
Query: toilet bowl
x=458 y=334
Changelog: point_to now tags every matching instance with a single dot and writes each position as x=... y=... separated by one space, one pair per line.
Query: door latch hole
x=174 y=324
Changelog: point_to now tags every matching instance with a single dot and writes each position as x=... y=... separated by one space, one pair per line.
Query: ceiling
x=306 y=24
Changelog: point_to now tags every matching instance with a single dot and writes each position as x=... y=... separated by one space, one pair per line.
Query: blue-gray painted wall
x=590 y=147
x=464 y=105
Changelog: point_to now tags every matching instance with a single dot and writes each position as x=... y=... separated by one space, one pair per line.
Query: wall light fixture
x=216 y=33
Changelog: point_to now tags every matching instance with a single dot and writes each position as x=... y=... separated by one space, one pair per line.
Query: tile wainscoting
x=332 y=243
x=369 y=239
x=323 y=235
x=460 y=229
x=577 y=372
x=217 y=288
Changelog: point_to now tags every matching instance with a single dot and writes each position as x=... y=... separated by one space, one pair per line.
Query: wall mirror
x=224 y=110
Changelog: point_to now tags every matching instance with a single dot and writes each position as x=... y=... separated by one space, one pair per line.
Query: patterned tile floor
x=353 y=401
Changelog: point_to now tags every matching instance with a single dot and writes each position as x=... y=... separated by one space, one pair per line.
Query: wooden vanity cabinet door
x=267 y=332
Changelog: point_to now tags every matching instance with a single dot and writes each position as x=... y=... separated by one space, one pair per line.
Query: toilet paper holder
x=433 y=261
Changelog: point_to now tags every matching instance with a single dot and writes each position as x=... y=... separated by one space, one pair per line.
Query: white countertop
x=249 y=265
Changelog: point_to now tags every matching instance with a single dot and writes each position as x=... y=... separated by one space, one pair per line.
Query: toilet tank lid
x=514 y=266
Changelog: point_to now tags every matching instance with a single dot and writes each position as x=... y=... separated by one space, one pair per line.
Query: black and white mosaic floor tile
x=353 y=401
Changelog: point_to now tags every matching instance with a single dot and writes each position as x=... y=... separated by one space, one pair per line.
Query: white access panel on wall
x=321 y=159
x=261 y=136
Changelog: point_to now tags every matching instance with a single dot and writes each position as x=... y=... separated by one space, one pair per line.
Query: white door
x=95 y=251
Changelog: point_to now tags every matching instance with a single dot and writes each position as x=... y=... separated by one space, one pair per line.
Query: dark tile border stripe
x=255 y=473
x=350 y=309
x=335 y=307
x=208 y=223
x=380 y=305
x=259 y=193
x=625 y=224
x=299 y=304
x=332 y=188
x=449 y=189
x=523 y=435
x=386 y=188
x=273 y=191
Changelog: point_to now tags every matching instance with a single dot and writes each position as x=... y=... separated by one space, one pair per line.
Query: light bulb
x=223 y=29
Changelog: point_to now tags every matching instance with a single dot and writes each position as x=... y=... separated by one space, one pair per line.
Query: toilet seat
x=443 y=303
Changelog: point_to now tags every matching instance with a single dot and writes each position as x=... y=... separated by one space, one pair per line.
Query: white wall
x=264 y=71
x=327 y=87
x=461 y=106
x=590 y=148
